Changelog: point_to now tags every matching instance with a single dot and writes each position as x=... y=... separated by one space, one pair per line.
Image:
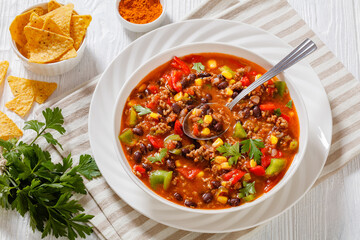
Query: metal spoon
x=301 y=51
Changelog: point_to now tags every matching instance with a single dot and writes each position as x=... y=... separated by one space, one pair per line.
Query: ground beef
x=205 y=152
x=281 y=123
x=160 y=128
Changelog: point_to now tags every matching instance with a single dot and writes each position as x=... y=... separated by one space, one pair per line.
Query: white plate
x=260 y=42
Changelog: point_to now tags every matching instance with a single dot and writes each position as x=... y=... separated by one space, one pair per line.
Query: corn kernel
x=178 y=96
x=200 y=174
x=131 y=103
x=222 y=199
x=232 y=81
x=196 y=111
x=226 y=74
x=225 y=165
x=220 y=159
x=253 y=163
x=177 y=163
x=212 y=63
x=224 y=183
x=186 y=95
x=229 y=92
x=208 y=119
x=205 y=131
x=257 y=77
x=273 y=140
x=246 y=177
x=198 y=82
x=218 y=142
x=154 y=115
x=142 y=87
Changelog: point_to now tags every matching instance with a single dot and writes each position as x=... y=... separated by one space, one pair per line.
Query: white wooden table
x=329 y=211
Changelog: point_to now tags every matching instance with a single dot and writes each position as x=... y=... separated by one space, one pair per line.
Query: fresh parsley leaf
x=50 y=139
x=87 y=167
x=200 y=121
x=289 y=104
x=198 y=67
x=158 y=156
x=277 y=112
x=54 y=119
x=231 y=151
x=34 y=125
x=248 y=188
x=251 y=146
x=141 y=110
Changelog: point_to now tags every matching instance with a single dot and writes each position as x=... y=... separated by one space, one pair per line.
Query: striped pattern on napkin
x=114 y=219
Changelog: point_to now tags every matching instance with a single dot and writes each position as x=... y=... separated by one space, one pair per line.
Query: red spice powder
x=140 y=11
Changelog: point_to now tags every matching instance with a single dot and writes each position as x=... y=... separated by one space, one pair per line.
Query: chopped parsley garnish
x=142 y=110
x=289 y=104
x=231 y=151
x=200 y=121
x=248 y=188
x=198 y=67
x=158 y=156
x=277 y=112
x=252 y=146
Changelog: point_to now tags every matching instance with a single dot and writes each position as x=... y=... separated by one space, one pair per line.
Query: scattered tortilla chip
x=62 y=17
x=21 y=104
x=41 y=90
x=8 y=128
x=52 y=5
x=4 y=65
x=45 y=46
x=51 y=26
x=79 y=25
x=35 y=21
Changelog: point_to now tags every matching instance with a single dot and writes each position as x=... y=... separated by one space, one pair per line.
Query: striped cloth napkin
x=114 y=219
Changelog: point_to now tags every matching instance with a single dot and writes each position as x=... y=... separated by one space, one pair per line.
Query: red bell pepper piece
x=179 y=64
x=237 y=177
x=245 y=81
x=258 y=170
x=279 y=154
x=171 y=145
x=252 y=73
x=173 y=80
x=157 y=142
x=140 y=169
x=153 y=88
x=267 y=106
x=228 y=175
x=265 y=161
x=196 y=130
x=178 y=128
x=189 y=173
x=286 y=117
x=234 y=176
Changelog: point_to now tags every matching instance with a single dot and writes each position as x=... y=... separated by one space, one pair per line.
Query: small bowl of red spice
x=141 y=15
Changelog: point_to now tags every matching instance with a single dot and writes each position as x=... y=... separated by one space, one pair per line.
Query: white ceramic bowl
x=141 y=27
x=50 y=69
x=183 y=50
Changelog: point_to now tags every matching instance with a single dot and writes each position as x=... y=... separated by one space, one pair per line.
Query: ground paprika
x=140 y=11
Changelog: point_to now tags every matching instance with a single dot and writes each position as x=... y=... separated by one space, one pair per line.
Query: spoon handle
x=301 y=51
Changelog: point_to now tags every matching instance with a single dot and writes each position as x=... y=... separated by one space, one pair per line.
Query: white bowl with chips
x=50 y=69
x=137 y=27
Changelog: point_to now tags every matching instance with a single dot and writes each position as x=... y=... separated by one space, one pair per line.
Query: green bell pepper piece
x=133 y=117
x=226 y=68
x=176 y=151
x=276 y=165
x=281 y=86
x=128 y=137
x=160 y=177
x=293 y=144
x=249 y=198
x=239 y=131
x=173 y=137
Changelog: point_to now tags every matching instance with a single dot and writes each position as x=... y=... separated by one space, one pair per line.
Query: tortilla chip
x=8 y=128
x=17 y=27
x=79 y=25
x=4 y=65
x=51 y=26
x=62 y=17
x=40 y=90
x=24 y=50
x=21 y=104
x=52 y=5
x=70 y=54
x=35 y=21
x=45 y=46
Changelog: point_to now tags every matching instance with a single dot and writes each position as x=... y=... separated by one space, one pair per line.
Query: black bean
x=137 y=156
x=221 y=77
x=190 y=107
x=205 y=107
x=184 y=83
x=204 y=74
x=234 y=94
x=171 y=124
x=160 y=111
x=129 y=150
x=178 y=144
x=207 y=197
x=178 y=196
x=246 y=112
x=215 y=184
x=143 y=148
x=190 y=203
x=203 y=100
x=234 y=202
x=141 y=96
x=185 y=151
x=170 y=163
x=146 y=166
x=150 y=147
x=208 y=96
x=257 y=111
x=197 y=144
x=218 y=127
x=192 y=77
x=223 y=85
x=176 y=108
x=138 y=131
x=210 y=111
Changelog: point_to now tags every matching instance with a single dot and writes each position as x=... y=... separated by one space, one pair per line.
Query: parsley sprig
x=159 y=156
x=31 y=183
x=142 y=110
x=198 y=67
x=232 y=151
x=251 y=146
x=248 y=189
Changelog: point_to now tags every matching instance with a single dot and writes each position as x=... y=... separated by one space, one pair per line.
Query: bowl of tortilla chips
x=50 y=38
